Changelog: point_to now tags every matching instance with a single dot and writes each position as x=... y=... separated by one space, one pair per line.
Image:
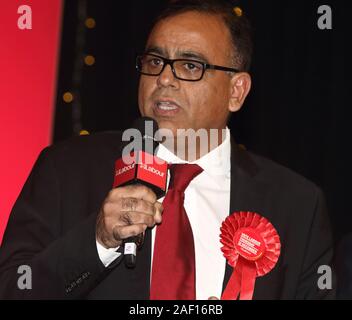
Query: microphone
x=140 y=166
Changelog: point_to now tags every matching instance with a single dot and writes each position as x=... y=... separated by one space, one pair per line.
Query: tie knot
x=181 y=174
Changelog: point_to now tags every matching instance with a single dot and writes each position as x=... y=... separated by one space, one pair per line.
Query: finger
x=115 y=208
x=134 y=191
x=213 y=298
x=134 y=204
x=159 y=210
x=132 y=217
x=124 y=232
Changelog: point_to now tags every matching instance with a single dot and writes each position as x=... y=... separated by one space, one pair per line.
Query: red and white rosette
x=251 y=245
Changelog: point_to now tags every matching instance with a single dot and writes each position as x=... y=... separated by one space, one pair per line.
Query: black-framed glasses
x=182 y=69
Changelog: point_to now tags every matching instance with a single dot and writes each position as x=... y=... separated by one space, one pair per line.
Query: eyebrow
x=188 y=54
x=193 y=55
x=155 y=50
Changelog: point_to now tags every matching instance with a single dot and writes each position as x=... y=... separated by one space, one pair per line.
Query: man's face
x=182 y=104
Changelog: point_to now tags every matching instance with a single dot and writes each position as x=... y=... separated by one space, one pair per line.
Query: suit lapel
x=243 y=191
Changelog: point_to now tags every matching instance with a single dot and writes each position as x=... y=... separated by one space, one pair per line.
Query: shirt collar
x=216 y=162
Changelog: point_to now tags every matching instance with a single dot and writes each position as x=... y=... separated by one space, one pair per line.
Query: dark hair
x=238 y=25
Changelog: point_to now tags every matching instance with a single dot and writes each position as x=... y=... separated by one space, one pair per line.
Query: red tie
x=173 y=273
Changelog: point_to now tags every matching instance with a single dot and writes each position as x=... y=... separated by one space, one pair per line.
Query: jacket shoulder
x=281 y=178
x=86 y=147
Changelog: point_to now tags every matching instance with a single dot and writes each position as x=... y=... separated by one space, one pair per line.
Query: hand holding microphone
x=127 y=212
x=132 y=205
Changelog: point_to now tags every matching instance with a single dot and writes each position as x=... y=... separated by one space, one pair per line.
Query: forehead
x=202 y=33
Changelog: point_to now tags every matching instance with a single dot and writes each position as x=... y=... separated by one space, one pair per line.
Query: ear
x=240 y=86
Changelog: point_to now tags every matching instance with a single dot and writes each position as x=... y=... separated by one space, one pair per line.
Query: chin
x=167 y=125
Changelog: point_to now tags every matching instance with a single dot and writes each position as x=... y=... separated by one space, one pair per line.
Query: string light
x=238 y=11
x=89 y=60
x=83 y=133
x=74 y=95
x=77 y=73
x=67 y=97
x=90 y=23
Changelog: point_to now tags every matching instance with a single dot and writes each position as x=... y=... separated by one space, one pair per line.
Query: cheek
x=141 y=89
x=213 y=105
x=140 y=98
x=144 y=91
x=207 y=99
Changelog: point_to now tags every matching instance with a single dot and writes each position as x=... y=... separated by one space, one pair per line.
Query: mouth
x=165 y=107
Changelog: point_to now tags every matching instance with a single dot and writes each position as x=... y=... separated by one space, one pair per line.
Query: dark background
x=296 y=114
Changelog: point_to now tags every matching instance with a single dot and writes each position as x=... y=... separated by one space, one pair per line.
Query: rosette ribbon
x=251 y=246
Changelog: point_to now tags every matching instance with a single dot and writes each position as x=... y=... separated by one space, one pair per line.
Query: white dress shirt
x=207 y=203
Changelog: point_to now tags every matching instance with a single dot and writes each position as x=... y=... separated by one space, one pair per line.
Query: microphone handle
x=131 y=245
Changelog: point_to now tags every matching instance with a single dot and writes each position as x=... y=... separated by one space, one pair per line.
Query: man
x=69 y=226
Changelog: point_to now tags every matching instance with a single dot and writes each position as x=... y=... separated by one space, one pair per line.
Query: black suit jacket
x=343 y=263
x=52 y=226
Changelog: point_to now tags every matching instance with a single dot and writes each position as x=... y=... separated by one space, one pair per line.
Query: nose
x=167 y=78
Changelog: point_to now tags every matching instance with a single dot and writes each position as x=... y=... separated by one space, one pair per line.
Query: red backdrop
x=28 y=66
